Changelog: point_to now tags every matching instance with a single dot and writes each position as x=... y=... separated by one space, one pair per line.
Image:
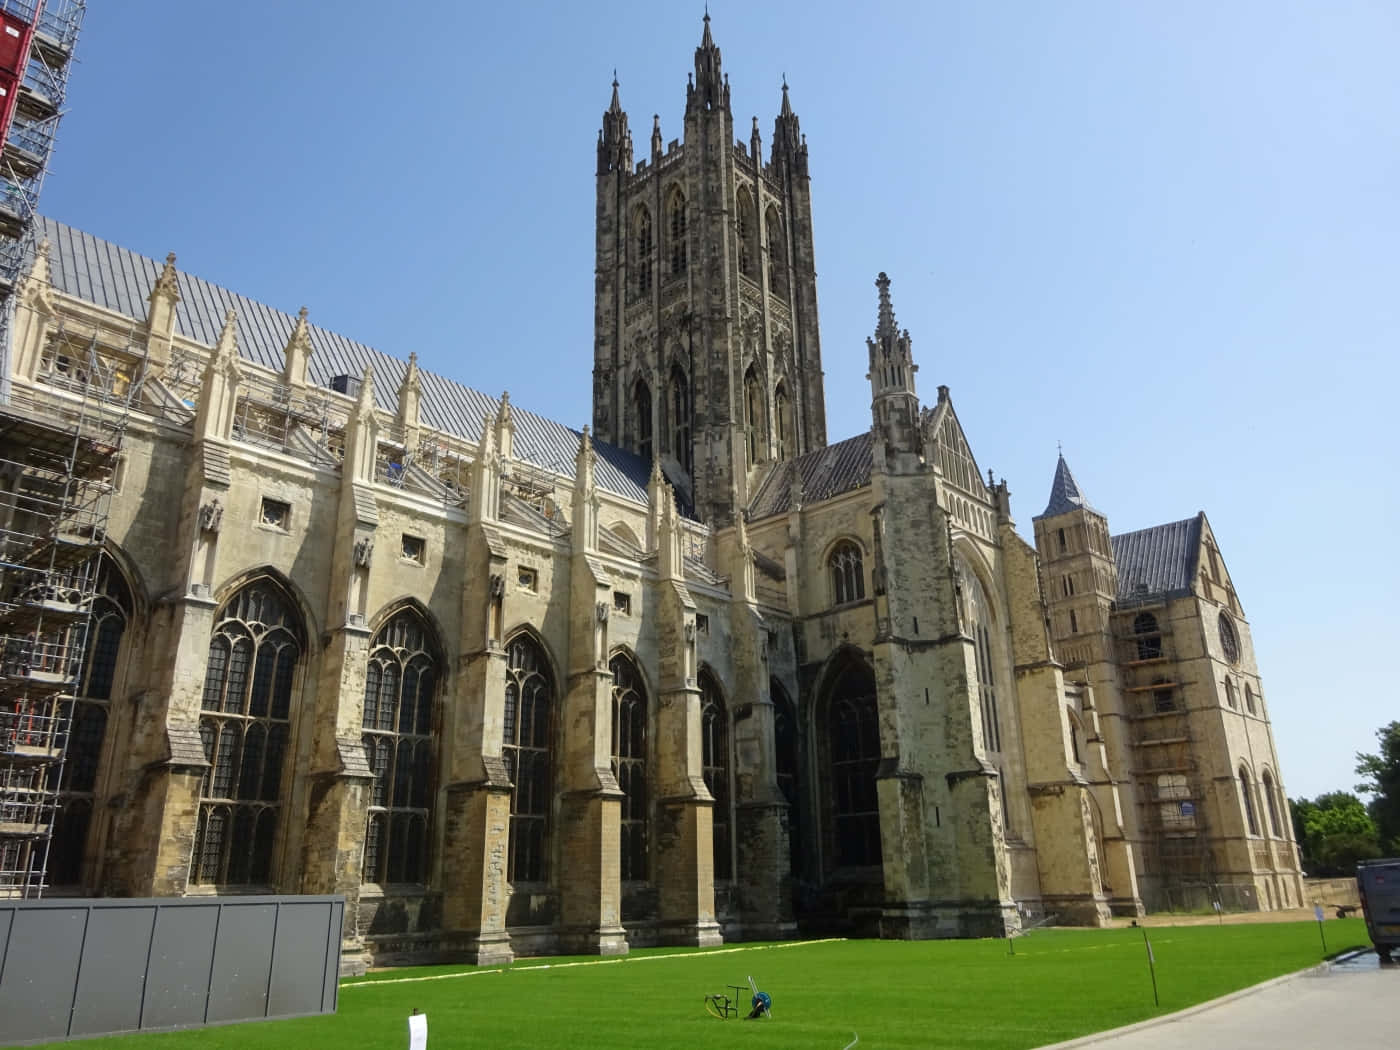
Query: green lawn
x=1059 y=984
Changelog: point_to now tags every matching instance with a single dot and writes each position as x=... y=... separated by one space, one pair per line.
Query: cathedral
x=690 y=674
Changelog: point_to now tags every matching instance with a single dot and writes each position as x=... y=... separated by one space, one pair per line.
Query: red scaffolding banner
x=15 y=38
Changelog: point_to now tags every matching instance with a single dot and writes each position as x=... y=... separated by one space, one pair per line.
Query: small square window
x=414 y=548
x=276 y=514
x=702 y=623
x=528 y=579
x=622 y=602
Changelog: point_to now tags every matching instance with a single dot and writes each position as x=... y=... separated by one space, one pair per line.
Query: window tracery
x=852 y=755
x=847 y=573
x=253 y=659
x=714 y=747
x=110 y=613
x=528 y=724
x=400 y=684
x=629 y=759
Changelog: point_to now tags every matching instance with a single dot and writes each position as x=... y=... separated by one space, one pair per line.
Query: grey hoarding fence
x=95 y=966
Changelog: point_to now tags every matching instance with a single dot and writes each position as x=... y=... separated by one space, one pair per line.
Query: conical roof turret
x=1065 y=494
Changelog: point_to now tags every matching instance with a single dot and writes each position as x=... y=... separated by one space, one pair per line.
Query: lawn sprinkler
x=1025 y=929
x=724 y=1005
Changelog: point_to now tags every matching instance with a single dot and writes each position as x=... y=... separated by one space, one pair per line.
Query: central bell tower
x=706 y=352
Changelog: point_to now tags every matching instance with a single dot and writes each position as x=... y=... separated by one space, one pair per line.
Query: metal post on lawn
x=1151 y=966
x=1317 y=913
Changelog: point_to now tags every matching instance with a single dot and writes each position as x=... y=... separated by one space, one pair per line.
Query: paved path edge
x=1209 y=1004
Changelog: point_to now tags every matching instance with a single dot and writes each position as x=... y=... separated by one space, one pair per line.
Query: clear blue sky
x=1163 y=234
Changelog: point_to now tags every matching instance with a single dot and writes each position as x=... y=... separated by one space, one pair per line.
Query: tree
x=1335 y=832
x=1382 y=783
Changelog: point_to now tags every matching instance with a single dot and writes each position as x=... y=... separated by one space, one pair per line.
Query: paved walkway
x=1354 y=1001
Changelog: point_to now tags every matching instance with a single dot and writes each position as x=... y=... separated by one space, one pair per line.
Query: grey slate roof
x=1158 y=562
x=825 y=473
x=1064 y=493
x=87 y=267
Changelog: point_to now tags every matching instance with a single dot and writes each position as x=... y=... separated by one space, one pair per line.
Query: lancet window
x=400 y=685
x=847 y=573
x=642 y=250
x=676 y=210
x=629 y=758
x=852 y=756
x=714 y=747
x=110 y=613
x=529 y=721
x=254 y=656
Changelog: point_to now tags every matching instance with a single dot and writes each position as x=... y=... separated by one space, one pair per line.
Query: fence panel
x=92 y=967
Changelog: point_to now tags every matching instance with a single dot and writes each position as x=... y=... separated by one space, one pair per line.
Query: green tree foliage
x=1382 y=783
x=1335 y=832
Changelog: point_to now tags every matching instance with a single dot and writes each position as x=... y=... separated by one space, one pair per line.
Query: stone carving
x=363 y=552
x=603 y=611
x=211 y=517
x=690 y=630
x=498 y=585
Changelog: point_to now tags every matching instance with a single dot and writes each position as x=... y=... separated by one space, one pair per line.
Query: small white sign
x=418 y=1032
x=1317 y=912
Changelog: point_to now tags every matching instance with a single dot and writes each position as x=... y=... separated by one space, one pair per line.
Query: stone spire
x=710 y=91
x=656 y=151
x=614 y=140
x=297 y=352
x=585 y=506
x=410 y=391
x=894 y=402
x=486 y=476
x=505 y=428
x=160 y=316
x=362 y=434
x=1065 y=494
x=218 y=393
x=787 y=135
x=167 y=284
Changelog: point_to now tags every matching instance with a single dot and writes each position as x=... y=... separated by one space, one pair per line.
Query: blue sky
x=1162 y=234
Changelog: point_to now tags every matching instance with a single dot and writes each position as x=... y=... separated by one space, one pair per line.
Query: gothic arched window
x=847 y=573
x=852 y=757
x=642 y=248
x=400 y=684
x=753 y=416
x=981 y=624
x=680 y=417
x=714 y=749
x=676 y=210
x=629 y=757
x=253 y=658
x=1246 y=792
x=782 y=423
x=777 y=254
x=1148 y=635
x=528 y=724
x=1271 y=803
x=747 y=229
x=1229 y=641
x=785 y=743
x=641 y=412
x=110 y=612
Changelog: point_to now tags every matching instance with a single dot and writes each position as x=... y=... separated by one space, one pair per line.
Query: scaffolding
x=1178 y=860
x=33 y=88
x=59 y=453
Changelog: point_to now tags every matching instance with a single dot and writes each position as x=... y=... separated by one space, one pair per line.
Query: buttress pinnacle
x=886 y=331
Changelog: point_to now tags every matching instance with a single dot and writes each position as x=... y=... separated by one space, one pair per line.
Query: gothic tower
x=706 y=352
x=1080 y=577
